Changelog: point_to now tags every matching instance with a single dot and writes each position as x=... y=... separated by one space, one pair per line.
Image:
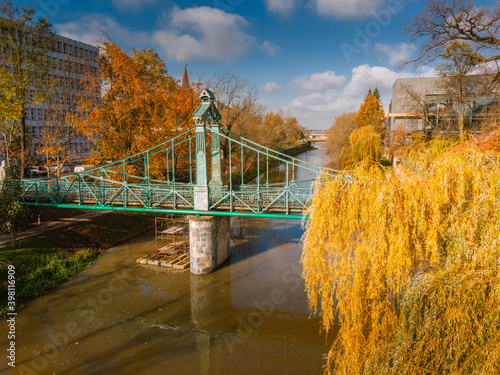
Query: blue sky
x=315 y=58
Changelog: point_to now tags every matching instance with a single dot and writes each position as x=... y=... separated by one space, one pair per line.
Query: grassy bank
x=47 y=260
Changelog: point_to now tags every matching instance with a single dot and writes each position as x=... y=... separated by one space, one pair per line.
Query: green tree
x=26 y=43
x=12 y=214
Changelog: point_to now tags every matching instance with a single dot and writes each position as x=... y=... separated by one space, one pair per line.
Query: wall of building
x=408 y=96
x=81 y=57
x=425 y=105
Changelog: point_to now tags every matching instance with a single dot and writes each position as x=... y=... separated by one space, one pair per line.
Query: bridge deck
x=78 y=190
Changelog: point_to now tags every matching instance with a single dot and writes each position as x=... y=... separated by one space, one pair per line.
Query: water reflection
x=117 y=317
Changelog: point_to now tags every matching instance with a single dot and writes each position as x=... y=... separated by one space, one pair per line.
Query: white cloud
x=271 y=87
x=397 y=54
x=89 y=28
x=427 y=71
x=348 y=9
x=204 y=34
x=365 y=76
x=283 y=7
x=316 y=104
x=317 y=109
x=132 y=4
x=269 y=48
x=320 y=81
x=194 y=34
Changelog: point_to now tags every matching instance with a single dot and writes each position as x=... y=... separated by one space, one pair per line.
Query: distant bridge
x=316 y=135
x=173 y=177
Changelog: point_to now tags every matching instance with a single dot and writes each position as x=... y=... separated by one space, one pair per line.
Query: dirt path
x=53 y=225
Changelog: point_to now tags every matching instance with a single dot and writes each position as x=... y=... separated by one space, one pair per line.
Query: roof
x=185 y=78
x=202 y=110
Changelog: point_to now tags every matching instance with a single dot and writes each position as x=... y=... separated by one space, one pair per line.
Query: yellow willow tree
x=406 y=261
x=364 y=144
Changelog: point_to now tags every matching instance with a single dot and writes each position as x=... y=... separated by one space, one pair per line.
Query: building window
x=445 y=113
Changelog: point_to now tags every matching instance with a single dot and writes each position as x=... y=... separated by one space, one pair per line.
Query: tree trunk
x=13 y=238
x=47 y=164
x=23 y=143
x=460 y=121
x=58 y=165
x=460 y=110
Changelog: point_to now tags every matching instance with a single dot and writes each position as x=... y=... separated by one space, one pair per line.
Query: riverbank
x=47 y=260
x=298 y=149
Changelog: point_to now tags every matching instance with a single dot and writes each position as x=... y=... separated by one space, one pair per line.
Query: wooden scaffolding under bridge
x=172 y=243
x=171 y=229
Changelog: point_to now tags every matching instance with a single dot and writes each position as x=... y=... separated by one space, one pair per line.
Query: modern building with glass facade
x=427 y=105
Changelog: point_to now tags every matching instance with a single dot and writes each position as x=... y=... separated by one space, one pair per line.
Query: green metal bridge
x=173 y=177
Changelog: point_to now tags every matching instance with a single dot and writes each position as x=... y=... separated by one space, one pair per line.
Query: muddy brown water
x=249 y=317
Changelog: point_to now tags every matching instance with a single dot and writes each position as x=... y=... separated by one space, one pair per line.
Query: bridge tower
x=208 y=235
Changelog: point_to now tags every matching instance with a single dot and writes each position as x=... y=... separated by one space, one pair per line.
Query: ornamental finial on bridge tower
x=207 y=95
x=207 y=108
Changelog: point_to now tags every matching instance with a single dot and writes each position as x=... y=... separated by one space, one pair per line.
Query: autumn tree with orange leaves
x=371 y=113
x=141 y=105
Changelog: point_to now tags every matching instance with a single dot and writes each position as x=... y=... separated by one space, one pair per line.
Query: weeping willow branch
x=409 y=265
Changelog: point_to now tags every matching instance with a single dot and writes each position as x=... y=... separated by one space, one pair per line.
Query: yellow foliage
x=365 y=144
x=406 y=261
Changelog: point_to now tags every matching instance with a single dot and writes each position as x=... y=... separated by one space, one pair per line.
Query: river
x=249 y=317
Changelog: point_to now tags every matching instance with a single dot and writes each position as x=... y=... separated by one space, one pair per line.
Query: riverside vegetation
x=407 y=262
x=49 y=259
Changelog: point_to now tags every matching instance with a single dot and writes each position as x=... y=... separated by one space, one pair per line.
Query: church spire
x=185 y=78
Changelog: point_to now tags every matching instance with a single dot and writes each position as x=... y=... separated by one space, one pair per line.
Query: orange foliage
x=489 y=141
x=371 y=113
x=141 y=105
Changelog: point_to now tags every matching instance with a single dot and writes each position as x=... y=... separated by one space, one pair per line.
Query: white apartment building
x=70 y=60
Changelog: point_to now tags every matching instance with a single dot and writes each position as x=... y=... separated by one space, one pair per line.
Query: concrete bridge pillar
x=209 y=242
x=208 y=235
